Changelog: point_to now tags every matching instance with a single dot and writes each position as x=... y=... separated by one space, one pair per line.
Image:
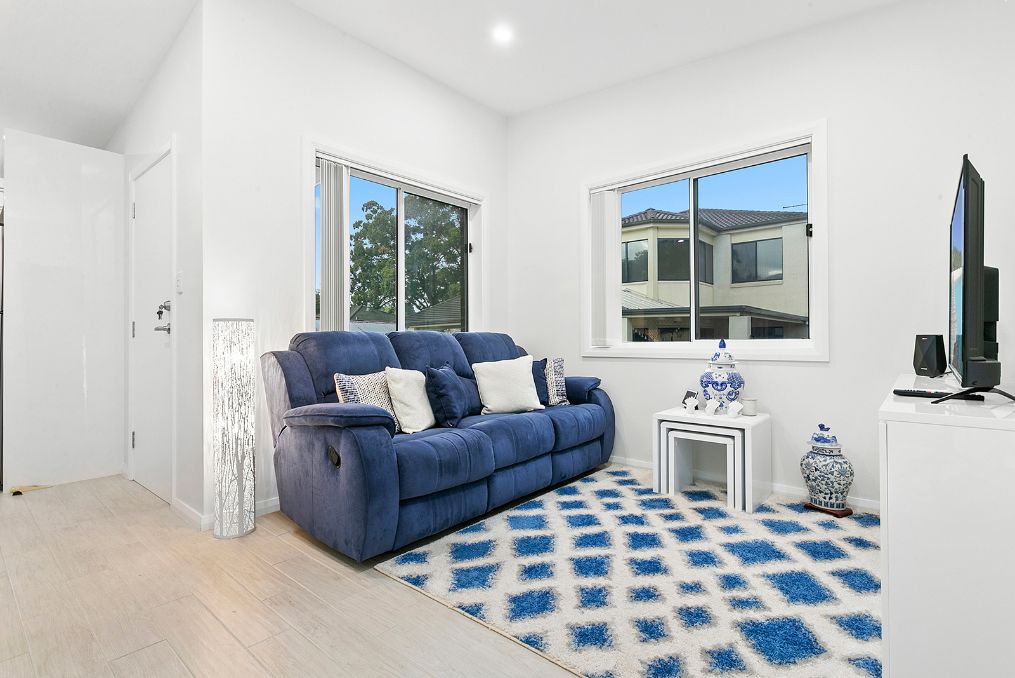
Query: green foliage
x=373 y=259
x=434 y=235
x=433 y=251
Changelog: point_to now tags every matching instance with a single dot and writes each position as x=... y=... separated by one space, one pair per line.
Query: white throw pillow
x=407 y=389
x=370 y=389
x=507 y=386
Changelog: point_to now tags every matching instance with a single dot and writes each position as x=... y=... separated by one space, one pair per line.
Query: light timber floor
x=100 y=578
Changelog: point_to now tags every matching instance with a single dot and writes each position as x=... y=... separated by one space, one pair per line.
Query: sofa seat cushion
x=574 y=424
x=516 y=437
x=438 y=459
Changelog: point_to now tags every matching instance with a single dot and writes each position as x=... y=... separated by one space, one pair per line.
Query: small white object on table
x=748 y=447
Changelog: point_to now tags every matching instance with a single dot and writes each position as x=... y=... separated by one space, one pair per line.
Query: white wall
x=274 y=77
x=64 y=324
x=905 y=91
x=169 y=110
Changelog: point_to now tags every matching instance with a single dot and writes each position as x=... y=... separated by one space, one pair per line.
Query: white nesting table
x=747 y=442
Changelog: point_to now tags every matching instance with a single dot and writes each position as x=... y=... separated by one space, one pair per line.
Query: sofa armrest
x=580 y=388
x=339 y=415
x=340 y=484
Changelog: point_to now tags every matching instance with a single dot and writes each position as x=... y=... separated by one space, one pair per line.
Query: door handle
x=163 y=328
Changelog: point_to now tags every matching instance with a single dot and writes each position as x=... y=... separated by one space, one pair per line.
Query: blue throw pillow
x=451 y=397
x=539 y=377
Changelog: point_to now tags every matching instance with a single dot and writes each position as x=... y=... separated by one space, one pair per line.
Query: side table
x=749 y=438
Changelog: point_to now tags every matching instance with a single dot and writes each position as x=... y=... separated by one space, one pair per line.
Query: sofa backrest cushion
x=328 y=353
x=485 y=347
x=424 y=349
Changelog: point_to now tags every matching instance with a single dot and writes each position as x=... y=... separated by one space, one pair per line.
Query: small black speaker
x=929 y=355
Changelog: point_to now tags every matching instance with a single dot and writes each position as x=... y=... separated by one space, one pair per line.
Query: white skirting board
x=777 y=488
x=205 y=522
x=794 y=491
x=626 y=461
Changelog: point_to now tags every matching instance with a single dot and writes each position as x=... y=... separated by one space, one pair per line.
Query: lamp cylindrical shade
x=232 y=348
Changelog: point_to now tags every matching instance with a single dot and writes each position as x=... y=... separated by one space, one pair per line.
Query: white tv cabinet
x=947 y=534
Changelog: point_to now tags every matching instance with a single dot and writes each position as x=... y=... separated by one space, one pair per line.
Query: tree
x=434 y=246
x=373 y=259
x=434 y=251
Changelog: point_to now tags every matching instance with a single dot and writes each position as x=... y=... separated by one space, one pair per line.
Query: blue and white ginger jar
x=721 y=381
x=827 y=473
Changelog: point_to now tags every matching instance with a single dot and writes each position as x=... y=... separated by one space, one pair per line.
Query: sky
x=770 y=186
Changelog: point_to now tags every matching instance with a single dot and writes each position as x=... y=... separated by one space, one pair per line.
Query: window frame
x=403 y=182
x=599 y=208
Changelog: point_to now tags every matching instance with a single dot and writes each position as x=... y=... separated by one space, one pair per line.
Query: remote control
x=923 y=393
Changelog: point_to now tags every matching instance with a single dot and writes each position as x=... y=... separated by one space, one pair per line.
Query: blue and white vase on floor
x=721 y=382
x=827 y=473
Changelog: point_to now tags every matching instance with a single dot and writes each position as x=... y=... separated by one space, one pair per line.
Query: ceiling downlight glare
x=502 y=34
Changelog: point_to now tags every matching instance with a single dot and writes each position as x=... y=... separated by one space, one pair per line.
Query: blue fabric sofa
x=348 y=480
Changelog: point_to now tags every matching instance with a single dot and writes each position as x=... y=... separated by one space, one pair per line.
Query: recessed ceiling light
x=502 y=34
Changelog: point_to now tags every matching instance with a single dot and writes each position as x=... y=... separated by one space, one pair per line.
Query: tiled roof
x=447 y=313
x=718 y=220
x=362 y=314
x=631 y=301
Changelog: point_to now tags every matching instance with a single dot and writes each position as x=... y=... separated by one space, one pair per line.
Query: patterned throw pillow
x=370 y=389
x=556 y=391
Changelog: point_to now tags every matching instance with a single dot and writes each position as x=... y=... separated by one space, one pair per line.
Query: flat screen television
x=973 y=290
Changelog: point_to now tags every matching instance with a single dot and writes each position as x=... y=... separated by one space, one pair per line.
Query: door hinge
x=133 y=329
x=810 y=230
x=133 y=210
x=470 y=248
x=133 y=439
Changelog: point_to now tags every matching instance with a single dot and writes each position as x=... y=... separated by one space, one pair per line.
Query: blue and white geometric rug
x=607 y=578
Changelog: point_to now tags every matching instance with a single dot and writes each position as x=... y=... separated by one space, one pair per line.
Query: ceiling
x=72 y=69
x=564 y=48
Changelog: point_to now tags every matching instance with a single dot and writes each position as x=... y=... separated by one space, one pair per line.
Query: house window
x=635 y=261
x=706 y=262
x=674 y=259
x=395 y=257
x=718 y=249
x=757 y=260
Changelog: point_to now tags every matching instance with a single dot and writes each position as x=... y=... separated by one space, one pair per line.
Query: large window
x=395 y=257
x=718 y=250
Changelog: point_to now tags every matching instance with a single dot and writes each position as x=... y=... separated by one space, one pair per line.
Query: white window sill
x=757 y=283
x=782 y=350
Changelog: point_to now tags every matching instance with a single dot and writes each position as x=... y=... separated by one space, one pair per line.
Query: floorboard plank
x=154 y=661
x=17 y=667
x=12 y=634
x=290 y=654
x=201 y=641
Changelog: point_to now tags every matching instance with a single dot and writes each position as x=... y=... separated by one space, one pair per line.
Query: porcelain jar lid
x=823 y=437
x=722 y=356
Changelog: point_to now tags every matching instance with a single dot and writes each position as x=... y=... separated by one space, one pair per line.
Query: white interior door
x=152 y=317
x=64 y=311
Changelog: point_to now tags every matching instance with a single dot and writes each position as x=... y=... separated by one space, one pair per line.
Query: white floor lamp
x=232 y=347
